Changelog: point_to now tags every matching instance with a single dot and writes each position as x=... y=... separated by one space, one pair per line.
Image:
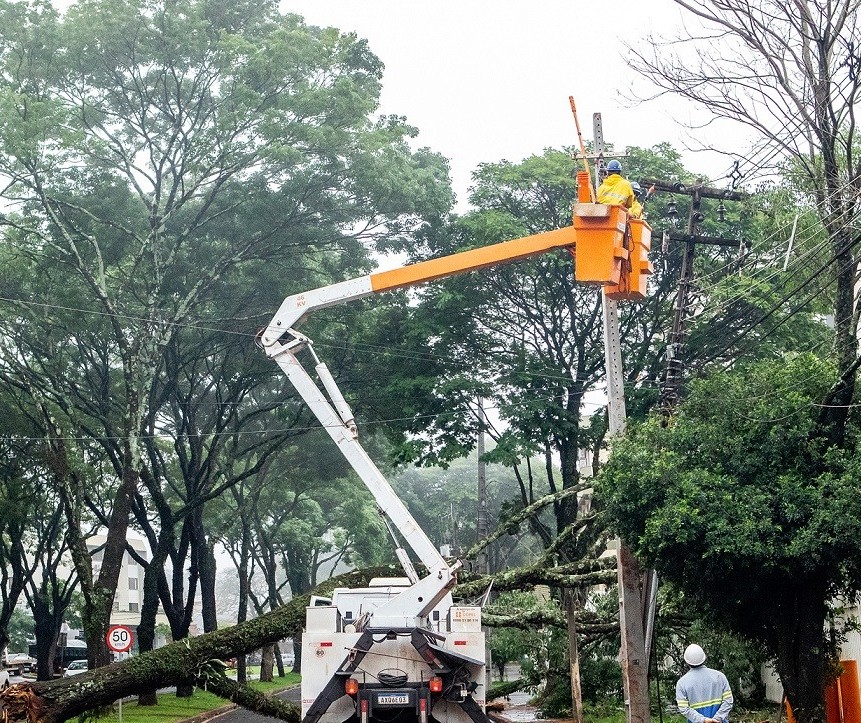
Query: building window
x=116 y=605
x=133 y=607
x=133 y=583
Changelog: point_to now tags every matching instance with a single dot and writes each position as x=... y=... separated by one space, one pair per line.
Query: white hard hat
x=694 y=655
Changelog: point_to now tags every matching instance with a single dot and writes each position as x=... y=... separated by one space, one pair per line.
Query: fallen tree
x=198 y=660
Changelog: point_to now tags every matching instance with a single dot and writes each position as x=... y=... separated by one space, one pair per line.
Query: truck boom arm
x=282 y=342
x=295 y=308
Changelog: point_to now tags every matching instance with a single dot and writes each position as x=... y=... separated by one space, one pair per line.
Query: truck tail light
x=436 y=685
x=351 y=686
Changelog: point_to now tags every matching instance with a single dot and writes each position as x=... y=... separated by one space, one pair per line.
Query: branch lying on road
x=250 y=699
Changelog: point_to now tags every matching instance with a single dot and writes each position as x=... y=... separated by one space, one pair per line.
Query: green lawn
x=171 y=709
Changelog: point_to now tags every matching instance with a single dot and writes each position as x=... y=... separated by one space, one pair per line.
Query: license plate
x=396 y=699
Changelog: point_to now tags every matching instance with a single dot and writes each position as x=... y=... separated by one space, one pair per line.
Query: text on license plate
x=397 y=699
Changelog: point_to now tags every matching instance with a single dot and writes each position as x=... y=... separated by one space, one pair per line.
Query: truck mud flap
x=474 y=711
x=334 y=689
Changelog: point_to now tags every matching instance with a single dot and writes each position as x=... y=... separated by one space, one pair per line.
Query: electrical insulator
x=672 y=211
x=721 y=212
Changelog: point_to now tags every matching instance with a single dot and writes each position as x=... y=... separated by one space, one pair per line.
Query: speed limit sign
x=119 y=638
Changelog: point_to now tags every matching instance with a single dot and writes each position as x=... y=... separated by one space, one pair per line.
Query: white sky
x=489 y=80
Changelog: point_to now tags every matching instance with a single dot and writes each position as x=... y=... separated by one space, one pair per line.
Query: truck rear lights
x=460 y=642
x=435 y=684
x=327 y=644
x=351 y=686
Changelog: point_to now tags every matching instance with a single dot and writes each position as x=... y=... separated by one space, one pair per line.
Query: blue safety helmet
x=614 y=167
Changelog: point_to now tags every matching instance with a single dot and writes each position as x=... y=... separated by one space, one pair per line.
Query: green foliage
x=513 y=645
x=738 y=504
x=21 y=630
x=601 y=679
x=174 y=170
x=524 y=335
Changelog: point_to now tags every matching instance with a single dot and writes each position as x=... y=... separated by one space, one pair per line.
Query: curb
x=210 y=714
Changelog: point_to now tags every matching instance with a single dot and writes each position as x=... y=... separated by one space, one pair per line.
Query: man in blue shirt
x=703 y=694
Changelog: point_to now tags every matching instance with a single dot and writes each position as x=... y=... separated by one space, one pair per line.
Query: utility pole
x=674 y=361
x=635 y=667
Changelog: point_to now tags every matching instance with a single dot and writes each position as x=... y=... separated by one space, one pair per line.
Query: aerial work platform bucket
x=633 y=282
x=600 y=230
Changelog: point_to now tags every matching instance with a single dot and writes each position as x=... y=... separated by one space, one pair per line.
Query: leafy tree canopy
x=742 y=504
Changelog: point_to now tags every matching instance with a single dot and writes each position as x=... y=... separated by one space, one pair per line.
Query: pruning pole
x=582 y=147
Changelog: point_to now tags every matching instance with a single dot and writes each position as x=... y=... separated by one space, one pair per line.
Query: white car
x=76 y=667
x=4 y=679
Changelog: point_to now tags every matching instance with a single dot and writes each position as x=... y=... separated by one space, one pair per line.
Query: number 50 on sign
x=119 y=638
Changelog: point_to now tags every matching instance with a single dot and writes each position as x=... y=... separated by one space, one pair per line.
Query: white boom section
x=416 y=602
x=294 y=309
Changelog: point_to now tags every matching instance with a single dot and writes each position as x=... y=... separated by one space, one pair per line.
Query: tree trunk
x=802 y=655
x=297 y=652
x=573 y=656
x=99 y=604
x=149 y=608
x=267 y=663
x=244 y=595
x=47 y=630
x=207 y=587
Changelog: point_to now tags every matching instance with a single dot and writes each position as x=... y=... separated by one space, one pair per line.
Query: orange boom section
x=473 y=260
x=598 y=235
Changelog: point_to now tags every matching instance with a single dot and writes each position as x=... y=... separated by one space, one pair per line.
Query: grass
x=614 y=712
x=171 y=709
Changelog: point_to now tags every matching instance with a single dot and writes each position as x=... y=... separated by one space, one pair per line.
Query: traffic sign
x=119 y=638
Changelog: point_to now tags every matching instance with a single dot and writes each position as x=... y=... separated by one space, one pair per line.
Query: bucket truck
x=401 y=647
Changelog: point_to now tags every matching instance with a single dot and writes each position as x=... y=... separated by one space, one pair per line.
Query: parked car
x=4 y=679
x=76 y=667
x=288 y=659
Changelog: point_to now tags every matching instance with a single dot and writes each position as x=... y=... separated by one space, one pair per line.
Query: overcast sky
x=489 y=80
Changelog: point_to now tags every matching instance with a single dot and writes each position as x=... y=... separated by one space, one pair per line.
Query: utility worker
x=636 y=210
x=616 y=189
x=703 y=694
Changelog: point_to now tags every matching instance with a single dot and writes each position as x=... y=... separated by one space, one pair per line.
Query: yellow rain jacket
x=616 y=190
x=636 y=210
